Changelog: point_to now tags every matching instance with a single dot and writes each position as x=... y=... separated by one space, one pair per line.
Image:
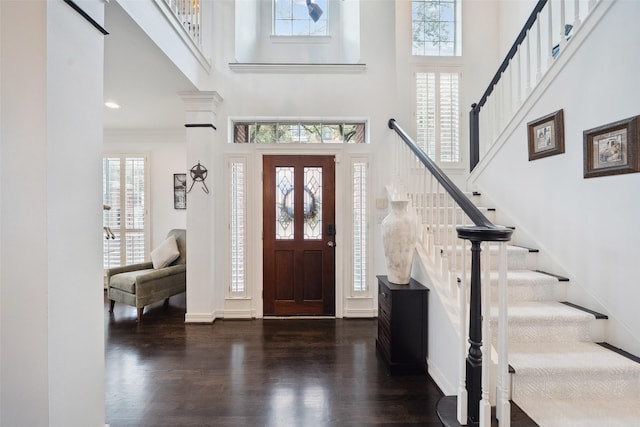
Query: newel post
x=474 y=358
x=476 y=235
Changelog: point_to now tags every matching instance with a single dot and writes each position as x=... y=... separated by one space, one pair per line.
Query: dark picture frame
x=180 y=191
x=546 y=135
x=611 y=149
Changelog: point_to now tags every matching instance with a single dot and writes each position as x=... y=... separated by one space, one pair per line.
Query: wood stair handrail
x=484 y=230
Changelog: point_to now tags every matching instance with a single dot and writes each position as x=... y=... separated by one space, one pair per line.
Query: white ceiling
x=139 y=77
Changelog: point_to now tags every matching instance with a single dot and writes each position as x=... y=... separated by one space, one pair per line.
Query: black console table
x=402 y=326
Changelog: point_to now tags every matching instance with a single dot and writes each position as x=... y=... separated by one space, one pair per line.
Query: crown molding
x=280 y=67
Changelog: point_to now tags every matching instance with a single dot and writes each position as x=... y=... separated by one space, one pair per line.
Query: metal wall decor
x=199 y=174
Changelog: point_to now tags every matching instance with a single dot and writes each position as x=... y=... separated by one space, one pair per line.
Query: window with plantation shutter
x=438 y=115
x=237 y=226
x=359 y=171
x=124 y=187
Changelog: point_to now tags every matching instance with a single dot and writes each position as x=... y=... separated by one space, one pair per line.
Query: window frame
x=365 y=270
x=232 y=293
x=324 y=18
x=288 y=121
x=457 y=30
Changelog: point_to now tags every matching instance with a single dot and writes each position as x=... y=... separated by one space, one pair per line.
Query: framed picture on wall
x=546 y=135
x=611 y=149
x=179 y=190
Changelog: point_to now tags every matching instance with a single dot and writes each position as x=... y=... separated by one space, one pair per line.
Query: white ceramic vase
x=399 y=241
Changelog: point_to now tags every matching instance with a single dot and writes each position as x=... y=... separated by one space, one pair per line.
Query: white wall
x=586 y=228
x=167 y=155
x=512 y=16
x=171 y=38
x=369 y=94
x=254 y=41
x=479 y=61
x=52 y=343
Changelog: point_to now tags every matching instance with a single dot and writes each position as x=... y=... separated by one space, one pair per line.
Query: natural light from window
x=125 y=214
x=360 y=213
x=438 y=115
x=435 y=27
x=286 y=132
x=237 y=227
x=291 y=18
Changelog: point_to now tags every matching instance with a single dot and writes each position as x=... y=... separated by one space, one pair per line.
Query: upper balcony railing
x=189 y=15
x=549 y=29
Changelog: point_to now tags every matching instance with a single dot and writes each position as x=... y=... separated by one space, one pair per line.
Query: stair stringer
x=614 y=331
x=617 y=375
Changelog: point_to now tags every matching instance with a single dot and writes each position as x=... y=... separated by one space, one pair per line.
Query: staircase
x=562 y=373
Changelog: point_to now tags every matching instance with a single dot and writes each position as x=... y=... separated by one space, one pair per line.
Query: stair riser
x=535 y=331
x=593 y=384
x=534 y=292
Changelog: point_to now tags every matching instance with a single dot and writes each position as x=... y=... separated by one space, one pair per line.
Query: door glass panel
x=284 y=203
x=312 y=203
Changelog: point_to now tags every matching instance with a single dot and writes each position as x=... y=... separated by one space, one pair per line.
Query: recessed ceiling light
x=111 y=104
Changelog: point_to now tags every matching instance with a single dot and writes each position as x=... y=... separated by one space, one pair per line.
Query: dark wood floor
x=308 y=373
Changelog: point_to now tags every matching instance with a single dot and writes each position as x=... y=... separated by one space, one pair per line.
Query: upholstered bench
x=142 y=284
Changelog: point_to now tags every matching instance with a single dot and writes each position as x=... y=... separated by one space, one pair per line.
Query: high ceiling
x=139 y=77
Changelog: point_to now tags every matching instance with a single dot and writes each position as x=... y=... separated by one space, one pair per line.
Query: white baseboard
x=237 y=314
x=199 y=317
x=360 y=312
x=447 y=388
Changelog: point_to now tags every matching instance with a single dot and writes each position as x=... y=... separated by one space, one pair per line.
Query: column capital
x=201 y=100
x=200 y=108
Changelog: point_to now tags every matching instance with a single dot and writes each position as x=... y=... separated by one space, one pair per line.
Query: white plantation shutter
x=438 y=115
x=124 y=181
x=449 y=117
x=237 y=168
x=359 y=169
x=426 y=96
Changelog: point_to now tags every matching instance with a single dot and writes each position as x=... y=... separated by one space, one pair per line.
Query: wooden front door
x=299 y=235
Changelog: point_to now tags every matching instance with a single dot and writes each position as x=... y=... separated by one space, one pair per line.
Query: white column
x=200 y=121
x=51 y=297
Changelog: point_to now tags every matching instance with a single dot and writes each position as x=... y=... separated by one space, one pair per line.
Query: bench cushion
x=127 y=281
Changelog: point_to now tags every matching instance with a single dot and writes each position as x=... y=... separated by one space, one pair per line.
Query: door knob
x=331 y=244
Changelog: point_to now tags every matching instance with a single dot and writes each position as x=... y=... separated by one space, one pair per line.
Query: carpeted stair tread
x=541 y=321
x=524 y=277
x=614 y=412
x=571 y=370
x=527 y=285
x=543 y=311
x=559 y=357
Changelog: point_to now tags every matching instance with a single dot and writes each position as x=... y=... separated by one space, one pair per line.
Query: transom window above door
x=305 y=132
